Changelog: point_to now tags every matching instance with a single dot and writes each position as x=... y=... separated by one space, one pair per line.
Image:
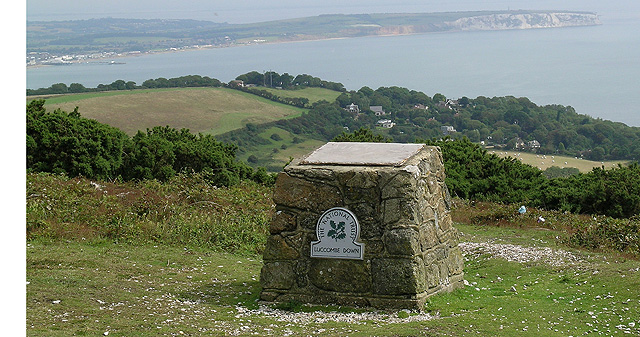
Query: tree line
x=506 y=122
x=177 y=82
x=66 y=143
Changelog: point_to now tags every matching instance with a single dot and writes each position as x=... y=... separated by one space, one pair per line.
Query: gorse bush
x=622 y=235
x=614 y=192
x=473 y=173
x=61 y=142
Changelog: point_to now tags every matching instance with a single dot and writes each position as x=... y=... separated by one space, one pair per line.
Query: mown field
x=546 y=161
x=184 y=258
x=206 y=110
x=314 y=94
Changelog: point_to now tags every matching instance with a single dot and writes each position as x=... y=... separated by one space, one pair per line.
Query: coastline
x=281 y=41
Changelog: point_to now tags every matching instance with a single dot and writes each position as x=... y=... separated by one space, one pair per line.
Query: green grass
x=589 y=297
x=207 y=110
x=134 y=290
x=67 y=98
x=146 y=290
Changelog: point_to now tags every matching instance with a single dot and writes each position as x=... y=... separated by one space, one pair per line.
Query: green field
x=312 y=93
x=545 y=161
x=207 y=110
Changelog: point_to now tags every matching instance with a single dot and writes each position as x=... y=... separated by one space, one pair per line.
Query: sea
x=594 y=69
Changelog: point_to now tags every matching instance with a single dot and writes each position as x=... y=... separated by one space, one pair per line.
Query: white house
x=353 y=108
x=534 y=144
x=386 y=123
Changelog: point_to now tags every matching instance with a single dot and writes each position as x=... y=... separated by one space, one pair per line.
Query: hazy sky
x=243 y=11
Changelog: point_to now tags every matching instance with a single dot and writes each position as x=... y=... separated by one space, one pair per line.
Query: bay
x=594 y=69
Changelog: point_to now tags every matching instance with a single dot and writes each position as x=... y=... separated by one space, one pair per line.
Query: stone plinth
x=362 y=224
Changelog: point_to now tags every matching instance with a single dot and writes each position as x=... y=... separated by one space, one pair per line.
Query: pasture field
x=311 y=93
x=545 y=161
x=201 y=110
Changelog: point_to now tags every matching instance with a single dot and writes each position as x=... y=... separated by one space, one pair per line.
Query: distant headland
x=66 y=42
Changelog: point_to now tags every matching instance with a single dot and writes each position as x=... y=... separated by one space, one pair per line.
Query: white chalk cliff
x=523 y=21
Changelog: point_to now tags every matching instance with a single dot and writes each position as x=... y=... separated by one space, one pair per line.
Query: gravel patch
x=514 y=253
x=521 y=254
x=324 y=317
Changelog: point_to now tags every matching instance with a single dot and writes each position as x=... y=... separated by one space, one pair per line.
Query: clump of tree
x=473 y=173
x=557 y=172
x=506 y=122
x=272 y=79
x=62 y=142
x=301 y=102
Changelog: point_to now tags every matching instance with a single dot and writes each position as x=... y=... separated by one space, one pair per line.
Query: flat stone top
x=362 y=154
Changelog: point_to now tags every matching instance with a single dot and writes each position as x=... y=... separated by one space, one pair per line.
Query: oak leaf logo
x=337 y=231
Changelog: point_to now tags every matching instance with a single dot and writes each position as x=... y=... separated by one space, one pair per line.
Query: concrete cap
x=362 y=154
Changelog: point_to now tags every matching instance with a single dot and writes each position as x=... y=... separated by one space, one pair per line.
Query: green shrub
x=614 y=192
x=472 y=173
x=62 y=142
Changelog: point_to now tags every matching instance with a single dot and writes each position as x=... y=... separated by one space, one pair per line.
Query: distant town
x=50 y=59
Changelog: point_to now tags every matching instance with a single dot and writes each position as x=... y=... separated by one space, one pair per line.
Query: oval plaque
x=337 y=231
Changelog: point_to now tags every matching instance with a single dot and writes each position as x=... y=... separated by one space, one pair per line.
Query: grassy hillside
x=207 y=110
x=545 y=161
x=275 y=153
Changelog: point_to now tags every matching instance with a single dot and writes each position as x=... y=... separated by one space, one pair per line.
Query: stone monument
x=362 y=224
